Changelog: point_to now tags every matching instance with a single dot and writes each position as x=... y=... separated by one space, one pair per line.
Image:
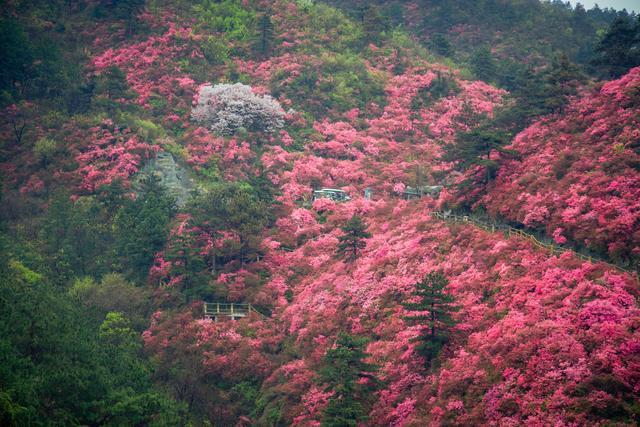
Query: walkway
x=510 y=231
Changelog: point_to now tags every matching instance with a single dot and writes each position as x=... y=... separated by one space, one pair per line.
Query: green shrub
x=346 y=83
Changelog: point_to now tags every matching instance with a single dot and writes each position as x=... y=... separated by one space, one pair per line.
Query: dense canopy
x=366 y=309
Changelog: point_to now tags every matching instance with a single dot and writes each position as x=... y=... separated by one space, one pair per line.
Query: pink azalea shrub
x=578 y=172
x=112 y=154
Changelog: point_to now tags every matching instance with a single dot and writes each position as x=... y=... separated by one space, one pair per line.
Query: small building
x=426 y=190
x=334 y=194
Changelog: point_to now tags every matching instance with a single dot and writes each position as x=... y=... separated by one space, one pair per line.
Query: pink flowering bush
x=149 y=65
x=578 y=173
x=539 y=339
x=112 y=154
x=528 y=332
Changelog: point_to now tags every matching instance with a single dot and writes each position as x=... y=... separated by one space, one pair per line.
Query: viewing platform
x=230 y=310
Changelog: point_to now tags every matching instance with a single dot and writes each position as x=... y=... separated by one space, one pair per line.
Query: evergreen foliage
x=441 y=87
x=352 y=85
x=483 y=64
x=477 y=148
x=373 y=23
x=434 y=309
x=77 y=237
x=353 y=239
x=264 y=39
x=619 y=49
x=439 y=43
x=60 y=367
x=343 y=372
x=110 y=91
x=142 y=226
x=32 y=66
x=534 y=95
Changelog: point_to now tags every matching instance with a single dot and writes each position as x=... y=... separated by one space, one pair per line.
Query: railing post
x=217 y=308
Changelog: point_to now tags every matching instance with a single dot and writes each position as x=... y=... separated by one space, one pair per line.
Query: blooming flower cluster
x=578 y=172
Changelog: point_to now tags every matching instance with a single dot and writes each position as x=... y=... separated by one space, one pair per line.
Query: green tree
x=32 y=64
x=351 y=85
x=442 y=86
x=530 y=95
x=374 y=23
x=59 y=367
x=237 y=208
x=344 y=367
x=77 y=237
x=142 y=226
x=113 y=293
x=536 y=93
x=215 y=50
x=188 y=262
x=16 y=58
x=353 y=239
x=475 y=149
x=126 y=10
x=483 y=64
x=619 y=49
x=265 y=35
x=228 y=17
x=434 y=310
x=111 y=89
x=562 y=79
x=132 y=399
x=440 y=44
x=44 y=150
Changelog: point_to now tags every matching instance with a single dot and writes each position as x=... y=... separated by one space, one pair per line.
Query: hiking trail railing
x=510 y=231
x=235 y=311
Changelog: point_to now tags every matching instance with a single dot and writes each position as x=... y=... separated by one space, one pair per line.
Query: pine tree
x=143 y=225
x=474 y=149
x=344 y=367
x=440 y=44
x=434 y=308
x=264 y=37
x=562 y=79
x=373 y=23
x=110 y=89
x=239 y=208
x=353 y=239
x=619 y=49
x=483 y=65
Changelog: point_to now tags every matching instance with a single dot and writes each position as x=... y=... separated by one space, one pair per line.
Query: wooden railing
x=510 y=231
x=214 y=310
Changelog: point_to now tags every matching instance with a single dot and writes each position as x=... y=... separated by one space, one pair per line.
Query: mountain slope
x=577 y=176
x=538 y=339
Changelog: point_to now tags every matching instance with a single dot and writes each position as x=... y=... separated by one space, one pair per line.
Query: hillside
x=172 y=162
x=587 y=188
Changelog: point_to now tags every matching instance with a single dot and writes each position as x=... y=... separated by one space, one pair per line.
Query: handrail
x=492 y=227
x=230 y=309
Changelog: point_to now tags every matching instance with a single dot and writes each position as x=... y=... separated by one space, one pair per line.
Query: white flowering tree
x=226 y=108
